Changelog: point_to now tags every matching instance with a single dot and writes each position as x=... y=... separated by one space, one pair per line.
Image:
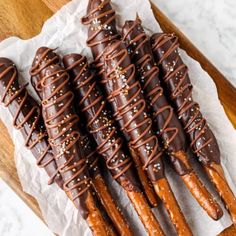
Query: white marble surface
x=16 y=218
x=211 y=27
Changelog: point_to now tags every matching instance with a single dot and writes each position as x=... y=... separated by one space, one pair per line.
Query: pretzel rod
x=64 y=138
x=202 y=141
x=102 y=30
x=216 y=174
x=103 y=129
x=146 y=183
x=96 y=214
x=168 y=127
x=46 y=56
x=101 y=188
x=27 y=118
x=106 y=199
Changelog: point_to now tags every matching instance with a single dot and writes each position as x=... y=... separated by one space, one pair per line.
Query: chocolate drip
x=27 y=118
x=64 y=136
x=165 y=121
x=99 y=120
x=46 y=57
x=175 y=77
x=127 y=93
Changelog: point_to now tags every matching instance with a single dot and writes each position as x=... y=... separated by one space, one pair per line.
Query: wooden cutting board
x=24 y=18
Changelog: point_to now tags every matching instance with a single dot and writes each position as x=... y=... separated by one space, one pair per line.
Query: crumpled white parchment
x=65 y=31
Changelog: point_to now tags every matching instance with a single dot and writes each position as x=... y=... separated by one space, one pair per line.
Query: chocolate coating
x=89 y=153
x=102 y=29
x=166 y=124
x=45 y=57
x=101 y=32
x=127 y=94
x=100 y=122
x=174 y=74
x=64 y=137
x=27 y=118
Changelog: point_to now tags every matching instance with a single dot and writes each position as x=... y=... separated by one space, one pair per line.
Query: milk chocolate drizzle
x=64 y=136
x=27 y=118
x=102 y=30
x=175 y=77
x=126 y=92
x=99 y=119
x=165 y=122
x=46 y=57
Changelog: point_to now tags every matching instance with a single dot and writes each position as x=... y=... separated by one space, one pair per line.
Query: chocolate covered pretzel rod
x=27 y=118
x=104 y=131
x=126 y=92
x=102 y=30
x=174 y=74
x=167 y=125
x=64 y=138
x=47 y=57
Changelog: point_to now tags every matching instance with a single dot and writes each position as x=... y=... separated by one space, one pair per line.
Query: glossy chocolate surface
x=100 y=122
x=126 y=91
x=62 y=126
x=45 y=57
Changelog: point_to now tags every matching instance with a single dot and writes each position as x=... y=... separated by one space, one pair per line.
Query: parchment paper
x=64 y=30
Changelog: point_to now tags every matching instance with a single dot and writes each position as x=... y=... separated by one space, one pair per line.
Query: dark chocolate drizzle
x=64 y=136
x=166 y=124
x=126 y=91
x=99 y=120
x=174 y=74
x=27 y=118
x=46 y=57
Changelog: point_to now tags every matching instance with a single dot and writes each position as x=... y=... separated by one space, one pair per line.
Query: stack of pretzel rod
x=104 y=131
x=102 y=12
x=27 y=118
x=174 y=74
x=44 y=58
x=124 y=93
x=167 y=125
